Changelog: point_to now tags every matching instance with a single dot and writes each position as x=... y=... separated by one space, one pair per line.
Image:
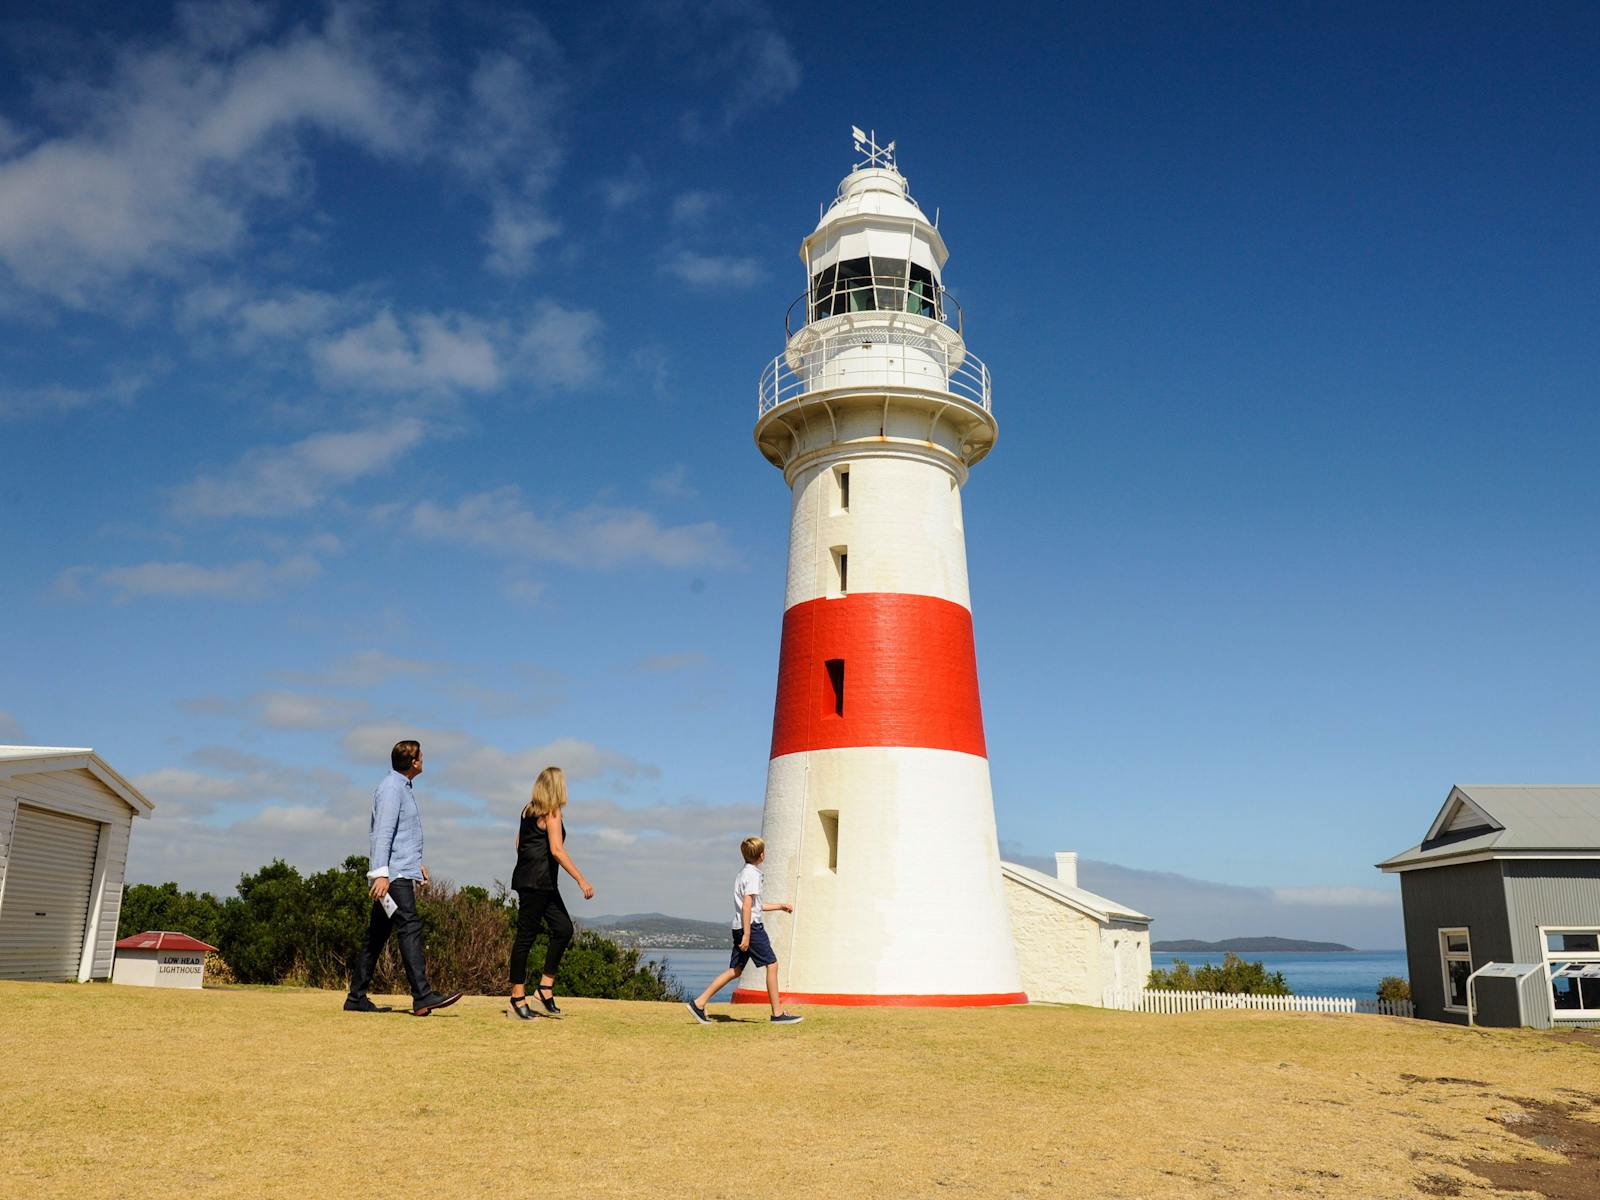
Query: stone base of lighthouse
x=848 y=828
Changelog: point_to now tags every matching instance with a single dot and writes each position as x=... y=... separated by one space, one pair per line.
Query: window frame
x=1447 y=956
x=1551 y=957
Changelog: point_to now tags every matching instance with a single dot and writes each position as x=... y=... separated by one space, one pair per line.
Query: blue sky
x=375 y=370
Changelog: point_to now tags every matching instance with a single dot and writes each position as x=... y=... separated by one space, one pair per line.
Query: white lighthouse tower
x=879 y=820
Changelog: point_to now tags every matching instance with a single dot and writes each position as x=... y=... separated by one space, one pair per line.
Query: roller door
x=44 y=909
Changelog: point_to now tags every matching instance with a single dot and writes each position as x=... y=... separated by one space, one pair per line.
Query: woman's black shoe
x=520 y=1009
x=548 y=1001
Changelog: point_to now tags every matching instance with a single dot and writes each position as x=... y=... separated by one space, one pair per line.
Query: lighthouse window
x=842 y=474
x=841 y=570
x=868 y=284
x=830 y=834
x=834 y=698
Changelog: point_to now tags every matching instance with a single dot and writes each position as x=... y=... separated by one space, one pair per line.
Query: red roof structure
x=161 y=940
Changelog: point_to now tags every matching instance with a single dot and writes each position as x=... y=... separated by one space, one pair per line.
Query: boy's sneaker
x=786 y=1019
x=699 y=1013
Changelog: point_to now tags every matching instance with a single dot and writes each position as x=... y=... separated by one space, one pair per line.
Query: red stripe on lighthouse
x=908 y=669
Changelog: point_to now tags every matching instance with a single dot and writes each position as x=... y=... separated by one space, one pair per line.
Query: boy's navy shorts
x=760 y=948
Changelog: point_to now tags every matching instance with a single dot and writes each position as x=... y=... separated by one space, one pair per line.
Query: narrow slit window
x=841 y=570
x=844 y=489
x=830 y=834
x=834 y=698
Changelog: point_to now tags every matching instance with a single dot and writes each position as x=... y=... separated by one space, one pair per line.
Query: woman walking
x=541 y=850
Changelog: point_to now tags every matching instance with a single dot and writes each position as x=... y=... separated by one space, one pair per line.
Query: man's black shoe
x=351 y=1004
x=433 y=1000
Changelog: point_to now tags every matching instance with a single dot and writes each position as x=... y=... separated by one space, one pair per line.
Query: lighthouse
x=879 y=819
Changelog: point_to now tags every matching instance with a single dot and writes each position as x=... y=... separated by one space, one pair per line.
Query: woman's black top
x=536 y=866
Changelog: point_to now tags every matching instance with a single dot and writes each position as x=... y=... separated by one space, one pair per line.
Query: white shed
x=1073 y=946
x=65 y=817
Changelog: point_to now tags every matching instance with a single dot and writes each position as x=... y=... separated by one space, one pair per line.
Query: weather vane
x=877 y=156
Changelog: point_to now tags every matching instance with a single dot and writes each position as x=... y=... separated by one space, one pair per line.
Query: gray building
x=1506 y=875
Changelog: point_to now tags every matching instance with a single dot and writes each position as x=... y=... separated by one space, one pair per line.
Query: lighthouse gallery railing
x=835 y=362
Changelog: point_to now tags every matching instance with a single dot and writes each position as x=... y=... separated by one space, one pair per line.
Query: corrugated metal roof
x=1558 y=819
x=1095 y=906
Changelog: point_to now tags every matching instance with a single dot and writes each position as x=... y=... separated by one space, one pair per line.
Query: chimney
x=1067 y=867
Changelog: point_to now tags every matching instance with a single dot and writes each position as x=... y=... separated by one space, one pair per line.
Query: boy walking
x=749 y=937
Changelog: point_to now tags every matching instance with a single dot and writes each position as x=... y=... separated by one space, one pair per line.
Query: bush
x=1392 y=987
x=1234 y=976
x=285 y=928
x=161 y=906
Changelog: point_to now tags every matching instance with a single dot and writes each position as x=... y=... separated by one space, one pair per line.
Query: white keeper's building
x=65 y=818
x=1073 y=947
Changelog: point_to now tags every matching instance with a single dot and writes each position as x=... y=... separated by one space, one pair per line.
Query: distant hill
x=1255 y=945
x=658 y=929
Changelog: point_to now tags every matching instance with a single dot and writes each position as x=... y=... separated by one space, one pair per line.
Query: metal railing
x=875 y=293
x=846 y=360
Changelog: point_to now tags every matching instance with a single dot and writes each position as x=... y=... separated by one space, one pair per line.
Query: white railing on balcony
x=874 y=358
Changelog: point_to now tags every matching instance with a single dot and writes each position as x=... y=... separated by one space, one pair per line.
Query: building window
x=1455 y=957
x=841 y=570
x=830 y=833
x=833 y=694
x=1572 y=964
x=841 y=492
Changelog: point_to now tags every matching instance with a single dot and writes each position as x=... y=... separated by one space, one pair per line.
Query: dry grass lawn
x=129 y=1092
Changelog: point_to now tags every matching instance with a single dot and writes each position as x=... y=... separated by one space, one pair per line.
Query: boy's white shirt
x=748 y=883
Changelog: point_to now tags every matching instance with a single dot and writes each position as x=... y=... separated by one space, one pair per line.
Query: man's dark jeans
x=409 y=926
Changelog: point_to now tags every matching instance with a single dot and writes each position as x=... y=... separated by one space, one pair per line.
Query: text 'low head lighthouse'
x=879 y=820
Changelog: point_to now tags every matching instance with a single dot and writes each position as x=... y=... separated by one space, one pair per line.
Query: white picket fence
x=1161 y=1001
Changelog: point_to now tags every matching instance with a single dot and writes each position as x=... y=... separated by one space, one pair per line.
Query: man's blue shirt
x=396 y=830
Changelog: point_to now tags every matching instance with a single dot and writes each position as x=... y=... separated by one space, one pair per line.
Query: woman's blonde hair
x=549 y=793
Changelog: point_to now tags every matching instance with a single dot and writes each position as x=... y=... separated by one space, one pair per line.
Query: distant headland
x=1250 y=945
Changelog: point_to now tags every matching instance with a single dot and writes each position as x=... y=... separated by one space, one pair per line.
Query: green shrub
x=1233 y=975
x=1392 y=987
x=161 y=906
x=285 y=928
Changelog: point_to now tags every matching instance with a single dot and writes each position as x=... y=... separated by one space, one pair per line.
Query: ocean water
x=1341 y=973
x=1338 y=974
x=693 y=969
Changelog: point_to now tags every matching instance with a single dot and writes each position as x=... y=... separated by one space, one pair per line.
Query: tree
x=1233 y=975
x=161 y=906
x=1392 y=987
x=264 y=927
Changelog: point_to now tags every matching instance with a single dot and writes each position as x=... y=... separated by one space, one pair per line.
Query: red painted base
x=989 y=1000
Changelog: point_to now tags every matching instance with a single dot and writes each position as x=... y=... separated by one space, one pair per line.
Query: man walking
x=396 y=869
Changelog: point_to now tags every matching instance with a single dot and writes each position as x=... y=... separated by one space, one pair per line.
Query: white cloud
x=673 y=482
x=249 y=580
x=682 y=660
x=714 y=270
x=767 y=73
x=598 y=536
x=1322 y=897
x=173 y=154
x=10 y=731
x=278 y=480
x=253 y=318
x=626 y=189
x=364 y=669
x=297 y=710
x=424 y=353
x=732 y=45
x=692 y=208
x=560 y=346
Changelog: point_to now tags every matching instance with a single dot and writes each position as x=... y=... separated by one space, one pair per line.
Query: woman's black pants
x=536 y=906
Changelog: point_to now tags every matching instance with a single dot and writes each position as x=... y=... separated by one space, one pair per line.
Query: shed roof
x=1479 y=821
x=26 y=760
x=160 y=939
x=1087 y=903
